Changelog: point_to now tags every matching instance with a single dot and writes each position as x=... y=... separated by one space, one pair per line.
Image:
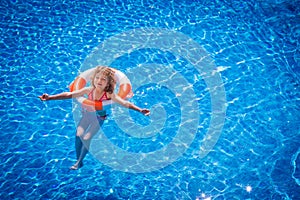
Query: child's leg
x=78 y=146
x=93 y=129
x=82 y=126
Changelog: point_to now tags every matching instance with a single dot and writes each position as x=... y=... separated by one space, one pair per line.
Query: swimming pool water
x=255 y=48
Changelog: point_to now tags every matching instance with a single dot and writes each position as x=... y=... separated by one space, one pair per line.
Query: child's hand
x=44 y=97
x=145 y=112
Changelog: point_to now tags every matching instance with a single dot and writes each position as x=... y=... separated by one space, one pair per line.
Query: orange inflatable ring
x=81 y=81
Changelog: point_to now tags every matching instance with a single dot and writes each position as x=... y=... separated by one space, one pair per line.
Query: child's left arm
x=128 y=104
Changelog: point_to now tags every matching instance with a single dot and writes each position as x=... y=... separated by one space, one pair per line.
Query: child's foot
x=76 y=166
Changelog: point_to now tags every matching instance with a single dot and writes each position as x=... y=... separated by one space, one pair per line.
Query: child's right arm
x=65 y=95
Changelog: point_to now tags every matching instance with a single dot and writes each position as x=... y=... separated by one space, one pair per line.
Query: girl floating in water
x=102 y=88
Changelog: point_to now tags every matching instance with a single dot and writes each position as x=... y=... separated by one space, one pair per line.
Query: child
x=102 y=88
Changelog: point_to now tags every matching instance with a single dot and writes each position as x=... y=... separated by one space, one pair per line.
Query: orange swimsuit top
x=91 y=97
x=103 y=98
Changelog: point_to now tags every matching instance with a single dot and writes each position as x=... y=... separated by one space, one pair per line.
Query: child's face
x=100 y=81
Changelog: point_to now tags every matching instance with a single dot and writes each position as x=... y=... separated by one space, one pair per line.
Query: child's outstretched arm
x=65 y=95
x=128 y=104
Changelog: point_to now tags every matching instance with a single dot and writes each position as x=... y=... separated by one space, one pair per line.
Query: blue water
x=255 y=49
